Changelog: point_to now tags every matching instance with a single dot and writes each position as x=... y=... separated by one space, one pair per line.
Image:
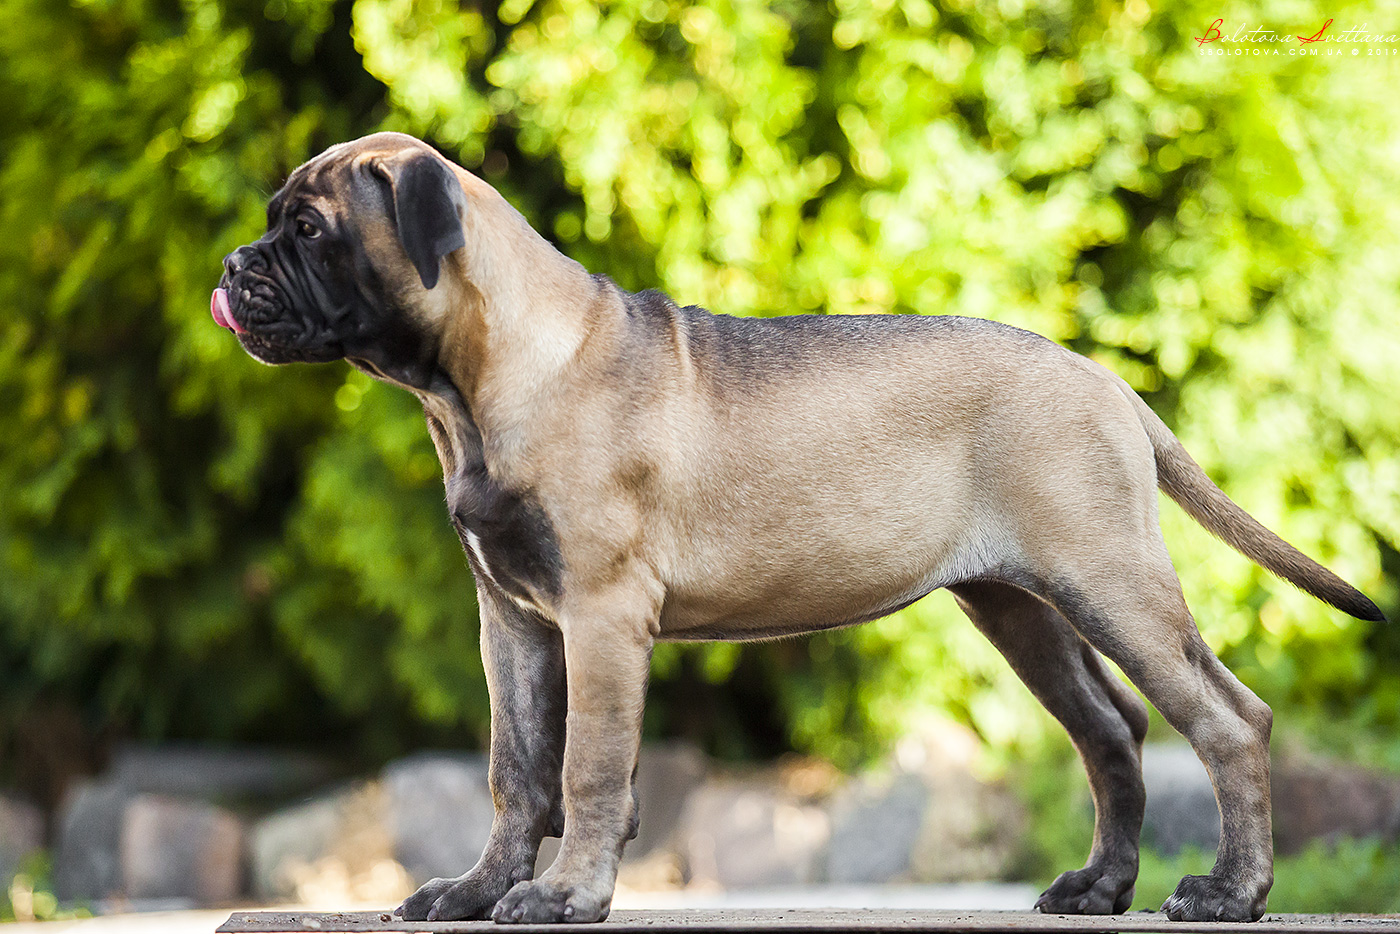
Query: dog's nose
x=239 y=260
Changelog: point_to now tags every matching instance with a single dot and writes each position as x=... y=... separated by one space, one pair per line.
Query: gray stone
x=1313 y=799
x=87 y=863
x=970 y=829
x=1181 y=809
x=180 y=849
x=439 y=812
x=737 y=833
x=344 y=834
x=21 y=833
x=88 y=860
x=217 y=772
x=1318 y=799
x=549 y=849
x=925 y=817
x=875 y=827
x=430 y=813
x=666 y=775
x=287 y=840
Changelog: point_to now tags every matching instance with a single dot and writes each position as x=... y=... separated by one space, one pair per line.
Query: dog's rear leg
x=1133 y=611
x=524 y=660
x=1106 y=721
x=607 y=652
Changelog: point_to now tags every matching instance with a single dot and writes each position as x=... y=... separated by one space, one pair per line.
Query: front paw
x=543 y=902
x=1093 y=890
x=466 y=898
x=1207 y=898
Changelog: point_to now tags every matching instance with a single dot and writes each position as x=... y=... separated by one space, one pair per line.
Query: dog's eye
x=309 y=231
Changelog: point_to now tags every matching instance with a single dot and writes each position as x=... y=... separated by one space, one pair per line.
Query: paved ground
x=817 y=921
x=957 y=909
x=145 y=922
x=971 y=896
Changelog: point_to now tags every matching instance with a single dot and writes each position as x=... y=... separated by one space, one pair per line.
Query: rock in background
x=191 y=826
x=1313 y=799
x=876 y=827
x=21 y=833
x=927 y=816
x=87 y=862
x=738 y=832
x=1316 y=799
x=337 y=834
x=218 y=773
x=103 y=821
x=667 y=774
x=924 y=817
x=1181 y=809
x=425 y=816
x=439 y=812
x=172 y=848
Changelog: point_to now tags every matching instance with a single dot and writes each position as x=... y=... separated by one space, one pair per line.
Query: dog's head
x=352 y=255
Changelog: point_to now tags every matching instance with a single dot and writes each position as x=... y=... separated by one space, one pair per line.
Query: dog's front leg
x=607 y=655
x=524 y=660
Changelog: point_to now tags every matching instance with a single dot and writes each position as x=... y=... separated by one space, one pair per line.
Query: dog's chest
x=508 y=535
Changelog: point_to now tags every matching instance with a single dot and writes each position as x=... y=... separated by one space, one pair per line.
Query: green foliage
x=1349 y=876
x=190 y=544
x=194 y=545
x=29 y=895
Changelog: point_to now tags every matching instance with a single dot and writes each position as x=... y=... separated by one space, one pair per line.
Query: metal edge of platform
x=815 y=921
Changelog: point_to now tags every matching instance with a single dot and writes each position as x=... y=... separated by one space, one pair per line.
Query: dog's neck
x=521 y=312
x=470 y=488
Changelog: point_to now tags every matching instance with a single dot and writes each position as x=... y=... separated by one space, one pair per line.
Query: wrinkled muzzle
x=266 y=304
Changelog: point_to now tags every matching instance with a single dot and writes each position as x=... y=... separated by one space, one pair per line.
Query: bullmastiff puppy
x=621 y=469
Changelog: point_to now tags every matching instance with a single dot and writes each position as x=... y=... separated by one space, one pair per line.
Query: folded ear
x=428 y=209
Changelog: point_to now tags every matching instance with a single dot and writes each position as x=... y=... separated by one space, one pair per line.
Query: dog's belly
x=808 y=575
x=779 y=614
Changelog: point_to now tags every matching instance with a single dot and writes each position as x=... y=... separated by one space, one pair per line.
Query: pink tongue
x=219 y=308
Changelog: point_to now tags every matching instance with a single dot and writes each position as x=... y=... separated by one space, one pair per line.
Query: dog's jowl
x=621 y=469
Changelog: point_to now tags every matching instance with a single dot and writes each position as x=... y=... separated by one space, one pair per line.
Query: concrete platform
x=814 y=920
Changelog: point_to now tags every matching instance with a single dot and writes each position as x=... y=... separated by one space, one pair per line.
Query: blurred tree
x=194 y=545
x=163 y=567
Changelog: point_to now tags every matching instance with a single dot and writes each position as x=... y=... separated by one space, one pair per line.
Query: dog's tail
x=1181 y=478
